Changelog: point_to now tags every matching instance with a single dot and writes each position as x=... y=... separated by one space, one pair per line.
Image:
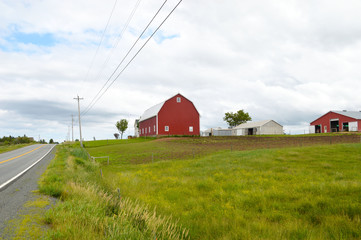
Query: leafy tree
x=122 y=125
x=116 y=135
x=51 y=141
x=235 y=119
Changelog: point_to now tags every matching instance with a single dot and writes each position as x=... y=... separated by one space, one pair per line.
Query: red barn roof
x=153 y=111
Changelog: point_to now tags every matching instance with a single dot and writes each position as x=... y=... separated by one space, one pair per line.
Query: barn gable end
x=175 y=116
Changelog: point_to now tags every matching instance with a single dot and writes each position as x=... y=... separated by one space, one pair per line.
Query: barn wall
x=324 y=121
x=238 y=132
x=148 y=127
x=178 y=116
x=266 y=129
x=271 y=128
x=222 y=132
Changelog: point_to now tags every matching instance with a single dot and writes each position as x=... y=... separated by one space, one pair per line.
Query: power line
x=130 y=17
x=150 y=22
x=133 y=56
x=101 y=40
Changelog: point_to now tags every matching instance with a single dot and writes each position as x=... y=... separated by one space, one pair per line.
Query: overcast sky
x=290 y=61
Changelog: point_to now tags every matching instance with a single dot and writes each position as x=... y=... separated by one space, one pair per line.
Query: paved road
x=13 y=164
x=16 y=193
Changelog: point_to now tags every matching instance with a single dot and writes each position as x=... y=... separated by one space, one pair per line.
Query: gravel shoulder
x=14 y=196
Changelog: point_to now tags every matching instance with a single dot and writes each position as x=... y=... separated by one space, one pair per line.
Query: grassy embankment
x=88 y=210
x=308 y=192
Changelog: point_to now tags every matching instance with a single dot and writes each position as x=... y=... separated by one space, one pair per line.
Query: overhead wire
x=97 y=97
x=101 y=41
x=120 y=36
x=140 y=36
x=131 y=60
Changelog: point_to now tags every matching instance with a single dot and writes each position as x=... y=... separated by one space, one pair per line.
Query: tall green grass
x=87 y=210
x=294 y=193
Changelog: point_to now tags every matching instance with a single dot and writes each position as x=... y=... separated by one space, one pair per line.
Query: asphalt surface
x=14 y=195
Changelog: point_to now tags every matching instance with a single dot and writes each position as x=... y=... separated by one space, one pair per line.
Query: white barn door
x=352 y=126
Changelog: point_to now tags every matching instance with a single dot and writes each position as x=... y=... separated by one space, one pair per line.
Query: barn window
x=191 y=129
x=166 y=128
x=178 y=99
x=145 y=131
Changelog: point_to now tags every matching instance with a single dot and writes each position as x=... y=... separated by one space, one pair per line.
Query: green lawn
x=290 y=193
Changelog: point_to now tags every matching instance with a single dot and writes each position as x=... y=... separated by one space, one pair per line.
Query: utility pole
x=78 y=98
x=72 y=128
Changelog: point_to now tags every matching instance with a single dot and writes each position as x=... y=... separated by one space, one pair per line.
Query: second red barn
x=337 y=121
x=175 y=116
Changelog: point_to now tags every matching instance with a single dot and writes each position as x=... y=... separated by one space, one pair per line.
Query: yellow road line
x=7 y=160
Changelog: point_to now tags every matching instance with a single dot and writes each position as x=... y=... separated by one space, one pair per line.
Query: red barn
x=175 y=116
x=337 y=121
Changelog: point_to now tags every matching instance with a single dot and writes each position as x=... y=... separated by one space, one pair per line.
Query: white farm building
x=216 y=132
x=266 y=127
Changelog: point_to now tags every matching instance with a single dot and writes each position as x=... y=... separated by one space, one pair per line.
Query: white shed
x=216 y=132
x=266 y=127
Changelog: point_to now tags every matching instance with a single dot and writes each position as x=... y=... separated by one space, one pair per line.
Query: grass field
x=139 y=151
x=217 y=191
x=207 y=188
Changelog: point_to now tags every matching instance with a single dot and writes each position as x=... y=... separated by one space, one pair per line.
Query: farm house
x=337 y=121
x=266 y=127
x=175 y=116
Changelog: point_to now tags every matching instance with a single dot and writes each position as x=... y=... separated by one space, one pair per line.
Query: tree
x=122 y=125
x=116 y=135
x=234 y=119
x=51 y=141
